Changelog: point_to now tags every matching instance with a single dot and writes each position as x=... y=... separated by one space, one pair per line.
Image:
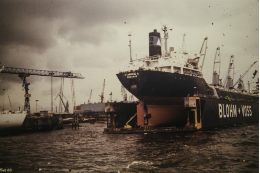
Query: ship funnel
x=154 y=43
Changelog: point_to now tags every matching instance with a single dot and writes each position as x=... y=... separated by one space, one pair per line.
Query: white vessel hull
x=10 y=120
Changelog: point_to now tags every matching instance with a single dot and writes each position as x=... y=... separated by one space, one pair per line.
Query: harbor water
x=88 y=149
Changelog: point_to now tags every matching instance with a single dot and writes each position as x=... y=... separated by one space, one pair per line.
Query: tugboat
x=172 y=91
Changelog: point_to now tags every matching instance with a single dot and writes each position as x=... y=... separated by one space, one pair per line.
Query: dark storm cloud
x=36 y=23
x=23 y=24
x=39 y=24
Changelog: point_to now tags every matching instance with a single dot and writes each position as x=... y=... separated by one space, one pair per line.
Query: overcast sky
x=91 y=38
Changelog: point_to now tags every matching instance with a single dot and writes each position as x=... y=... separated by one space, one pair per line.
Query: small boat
x=67 y=120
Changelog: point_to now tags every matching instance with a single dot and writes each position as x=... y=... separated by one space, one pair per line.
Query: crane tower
x=102 y=93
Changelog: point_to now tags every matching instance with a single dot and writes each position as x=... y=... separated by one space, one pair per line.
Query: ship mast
x=130 y=47
x=183 y=44
x=165 y=38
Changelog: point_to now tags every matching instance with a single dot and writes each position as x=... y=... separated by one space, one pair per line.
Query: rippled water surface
x=88 y=149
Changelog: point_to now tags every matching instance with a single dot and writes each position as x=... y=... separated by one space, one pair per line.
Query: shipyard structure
x=173 y=93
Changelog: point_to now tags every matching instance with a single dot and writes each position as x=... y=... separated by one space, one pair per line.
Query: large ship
x=172 y=91
x=10 y=120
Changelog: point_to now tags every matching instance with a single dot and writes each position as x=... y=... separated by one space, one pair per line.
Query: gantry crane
x=102 y=93
x=23 y=73
x=240 y=81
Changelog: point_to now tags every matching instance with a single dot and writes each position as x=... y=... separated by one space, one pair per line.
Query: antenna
x=130 y=47
x=183 y=44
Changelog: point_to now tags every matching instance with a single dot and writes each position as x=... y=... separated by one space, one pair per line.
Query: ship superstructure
x=173 y=61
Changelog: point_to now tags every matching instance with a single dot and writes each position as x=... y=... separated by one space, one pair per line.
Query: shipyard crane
x=61 y=92
x=217 y=62
x=24 y=73
x=89 y=99
x=123 y=93
x=102 y=93
x=65 y=106
x=184 y=45
x=204 y=54
x=229 y=81
x=240 y=81
x=73 y=94
x=166 y=36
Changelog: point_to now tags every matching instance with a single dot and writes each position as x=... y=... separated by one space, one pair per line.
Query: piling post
x=75 y=121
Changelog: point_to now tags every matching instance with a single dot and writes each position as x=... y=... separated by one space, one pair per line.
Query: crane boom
x=89 y=100
x=244 y=73
x=60 y=95
x=217 y=61
x=13 y=70
x=204 y=55
x=228 y=80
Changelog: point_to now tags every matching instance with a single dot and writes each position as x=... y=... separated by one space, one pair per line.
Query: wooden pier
x=37 y=123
